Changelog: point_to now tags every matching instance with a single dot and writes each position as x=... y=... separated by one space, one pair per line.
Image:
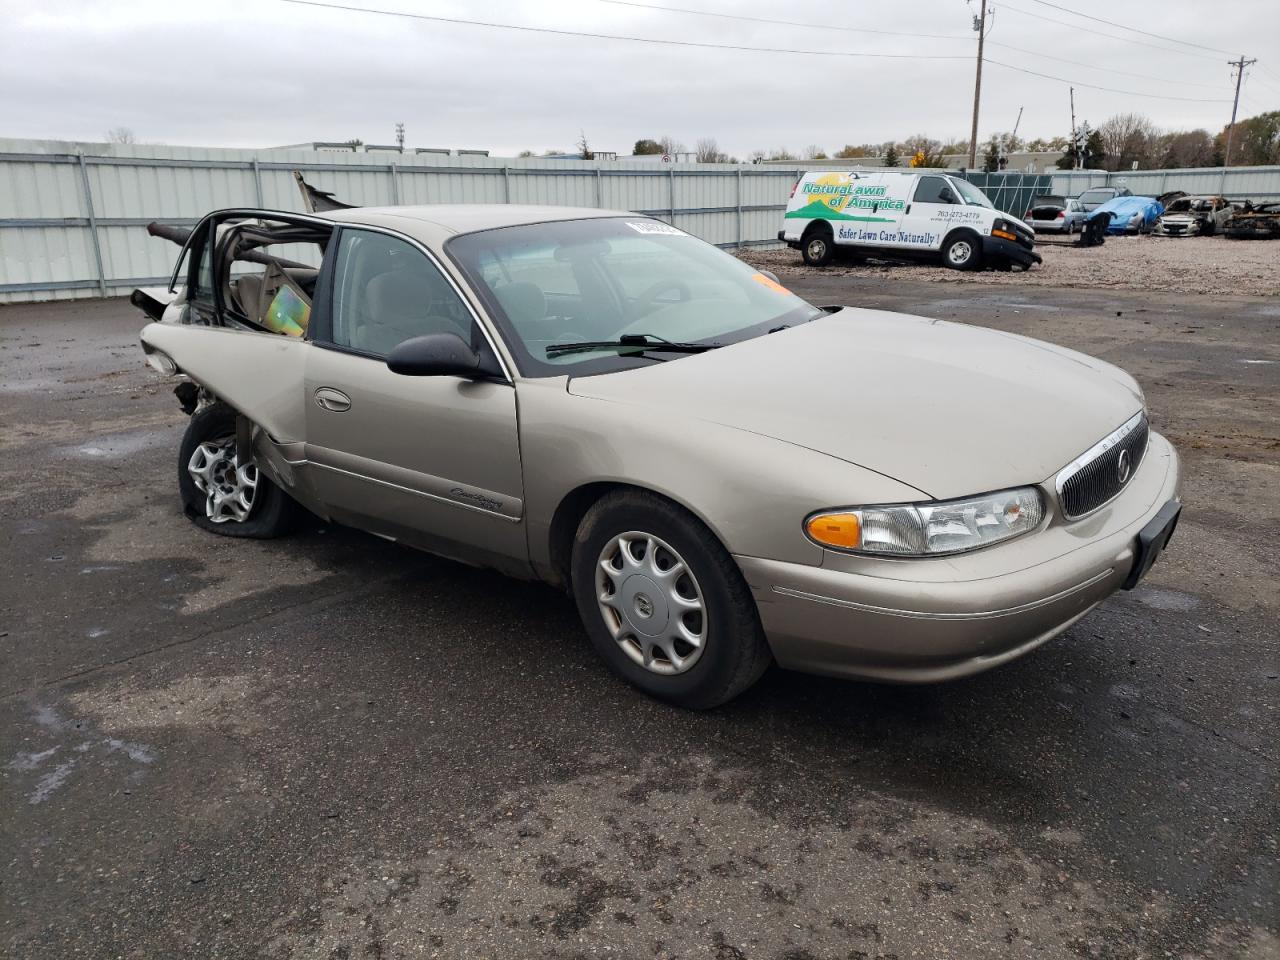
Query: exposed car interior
x=260 y=284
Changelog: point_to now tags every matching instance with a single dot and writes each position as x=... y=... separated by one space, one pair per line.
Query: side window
x=932 y=190
x=386 y=291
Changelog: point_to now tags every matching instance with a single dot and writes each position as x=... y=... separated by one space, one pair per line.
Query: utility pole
x=400 y=136
x=1075 y=134
x=981 y=25
x=1239 y=65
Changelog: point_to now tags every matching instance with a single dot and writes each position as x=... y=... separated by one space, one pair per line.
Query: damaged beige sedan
x=720 y=473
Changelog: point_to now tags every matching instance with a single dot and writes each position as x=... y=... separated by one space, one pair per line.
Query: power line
x=1092 y=86
x=614 y=36
x=1098 y=33
x=784 y=23
x=1091 y=66
x=934 y=36
x=1112 y=23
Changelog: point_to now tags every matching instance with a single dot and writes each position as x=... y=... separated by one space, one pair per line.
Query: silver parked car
x=1055 y=214
x=722 y=474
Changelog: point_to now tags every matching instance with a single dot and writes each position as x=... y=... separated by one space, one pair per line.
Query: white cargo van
x=903 y=212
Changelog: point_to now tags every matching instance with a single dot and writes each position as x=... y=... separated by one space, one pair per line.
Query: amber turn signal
x=836 y=530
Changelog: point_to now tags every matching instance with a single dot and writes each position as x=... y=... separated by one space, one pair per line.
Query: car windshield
x=971 y=194
x=1097 y=196
x=603 y=279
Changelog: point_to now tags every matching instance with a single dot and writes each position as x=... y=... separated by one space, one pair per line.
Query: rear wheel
x=818 y=246
x=220 y=494
x=664 y=604
x=962 y=251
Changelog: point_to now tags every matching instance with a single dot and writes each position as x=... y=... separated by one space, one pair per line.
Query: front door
x=932 y=211
x=432 y=461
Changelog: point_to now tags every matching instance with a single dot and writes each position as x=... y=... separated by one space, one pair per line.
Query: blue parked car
x=1130 y=214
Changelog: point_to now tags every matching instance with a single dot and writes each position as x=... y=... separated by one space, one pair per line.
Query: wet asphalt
x=332 y=746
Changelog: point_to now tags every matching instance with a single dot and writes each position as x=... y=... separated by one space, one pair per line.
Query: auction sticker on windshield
x=652 y=227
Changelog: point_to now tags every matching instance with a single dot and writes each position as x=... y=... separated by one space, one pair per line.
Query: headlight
x=1001 y=227
x=161 y=362
x=929 y=529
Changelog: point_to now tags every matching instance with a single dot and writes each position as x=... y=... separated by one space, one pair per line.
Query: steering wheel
x=644 y=302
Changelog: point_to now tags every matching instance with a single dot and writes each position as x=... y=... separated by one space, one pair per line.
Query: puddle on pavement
x=43 y=772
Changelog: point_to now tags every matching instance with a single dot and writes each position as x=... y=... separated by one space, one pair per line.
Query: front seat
x=400 y=306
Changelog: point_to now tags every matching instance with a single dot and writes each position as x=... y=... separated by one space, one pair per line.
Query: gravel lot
x=1197 y=265
x=330 y=746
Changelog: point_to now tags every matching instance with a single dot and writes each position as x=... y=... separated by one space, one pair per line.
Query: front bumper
x=998 y=248
x=1181 y=228
x=923 y=621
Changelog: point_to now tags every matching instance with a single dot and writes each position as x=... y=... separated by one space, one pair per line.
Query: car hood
x=950 y=409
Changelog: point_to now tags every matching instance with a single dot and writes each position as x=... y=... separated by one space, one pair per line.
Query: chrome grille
x=1101 y=472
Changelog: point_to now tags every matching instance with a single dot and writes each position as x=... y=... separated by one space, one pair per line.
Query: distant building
x=1018 y=162
x=321 y=146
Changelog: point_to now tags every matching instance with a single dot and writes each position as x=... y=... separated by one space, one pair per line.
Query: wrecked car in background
x=601 y=401
x=1254 y=222
x=1189 y=216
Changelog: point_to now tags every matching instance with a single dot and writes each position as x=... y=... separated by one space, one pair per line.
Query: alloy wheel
x=651 y=603
x=227 y=486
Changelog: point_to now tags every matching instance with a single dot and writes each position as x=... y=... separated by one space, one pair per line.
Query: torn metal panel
x=316 y=200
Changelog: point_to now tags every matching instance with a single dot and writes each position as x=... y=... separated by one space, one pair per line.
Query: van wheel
x=962 y=251
x=818 y=246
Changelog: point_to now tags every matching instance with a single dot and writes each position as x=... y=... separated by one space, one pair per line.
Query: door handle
x=332 y=400
x=908 y=210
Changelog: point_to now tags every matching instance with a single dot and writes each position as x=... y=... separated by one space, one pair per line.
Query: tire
x=732 y=652
x=818 y=246
x=211 y=433
x=962 y=251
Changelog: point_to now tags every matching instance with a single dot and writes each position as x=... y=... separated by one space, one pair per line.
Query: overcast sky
x=248 y=73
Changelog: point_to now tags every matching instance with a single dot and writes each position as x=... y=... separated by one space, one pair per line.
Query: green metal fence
x=1011 y=192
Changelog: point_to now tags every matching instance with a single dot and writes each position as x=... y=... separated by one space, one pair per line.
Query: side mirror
x=435 y=355
x=948 y=196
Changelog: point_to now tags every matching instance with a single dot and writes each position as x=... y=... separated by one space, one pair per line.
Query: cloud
x=267 y=73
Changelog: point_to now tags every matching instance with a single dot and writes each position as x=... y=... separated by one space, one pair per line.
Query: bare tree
x=782 y=153
x=1185 y=148
x=849 y=150
x=708 y=151
x=121 y=135
x=670 y=146
x=756 y=156
x=1126 y=138
x=584 y=148
x=814 y=152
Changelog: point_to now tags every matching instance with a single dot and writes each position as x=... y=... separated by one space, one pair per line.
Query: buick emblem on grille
x=1122 y=466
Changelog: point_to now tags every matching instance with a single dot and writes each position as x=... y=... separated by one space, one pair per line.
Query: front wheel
x=962 y=251
x=220 y=494
x=664 y=604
